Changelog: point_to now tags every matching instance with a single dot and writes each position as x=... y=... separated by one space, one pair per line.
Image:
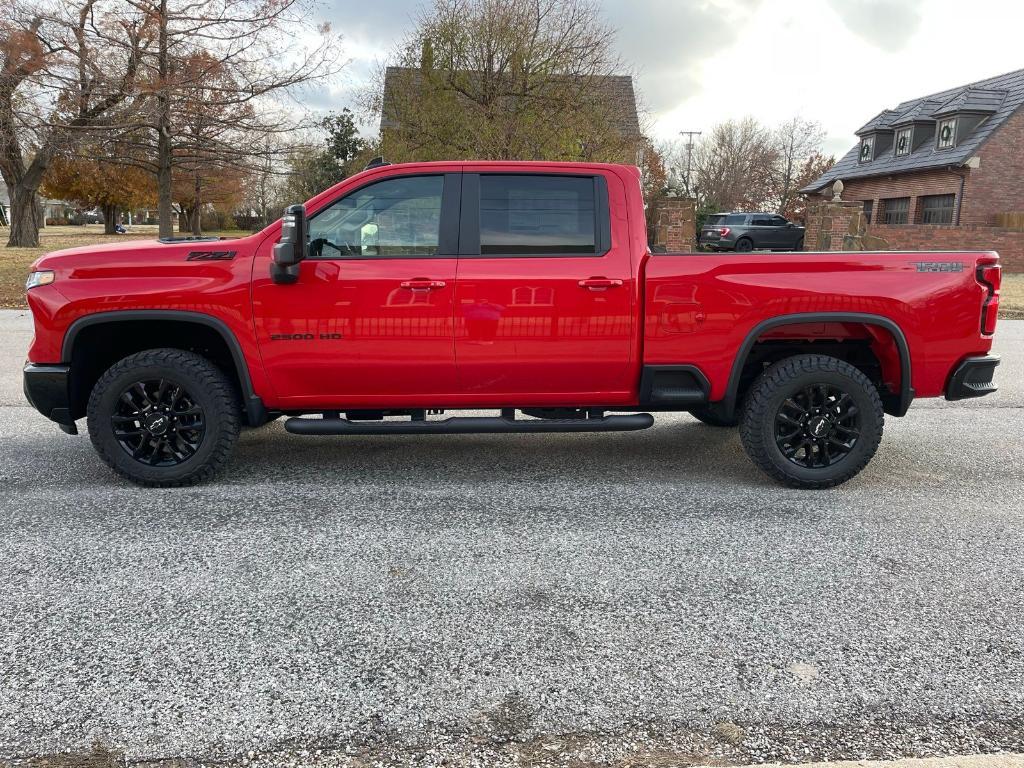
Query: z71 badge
x=939 y=266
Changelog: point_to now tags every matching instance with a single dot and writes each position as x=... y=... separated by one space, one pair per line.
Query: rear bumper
x=973 y=378
x=46 y=388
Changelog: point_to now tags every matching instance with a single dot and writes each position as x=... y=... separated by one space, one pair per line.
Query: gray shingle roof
x=997 y=97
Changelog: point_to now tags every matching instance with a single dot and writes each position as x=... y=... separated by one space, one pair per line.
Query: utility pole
x=689 y=158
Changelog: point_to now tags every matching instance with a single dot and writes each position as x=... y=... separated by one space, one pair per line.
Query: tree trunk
x=163 y=139
x=197 y=208
x=109 y=219
x=25 y=218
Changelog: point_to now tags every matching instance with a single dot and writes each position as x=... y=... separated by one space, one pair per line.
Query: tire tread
x=781 y=374
x=214 y=383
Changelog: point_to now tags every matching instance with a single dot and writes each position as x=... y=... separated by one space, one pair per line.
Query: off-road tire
x=713 y=418
x=789 y=377
x=207 y=385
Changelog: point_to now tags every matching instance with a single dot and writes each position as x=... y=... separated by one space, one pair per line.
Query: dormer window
x=867 y=149
x=903 y=141
x=946 y=133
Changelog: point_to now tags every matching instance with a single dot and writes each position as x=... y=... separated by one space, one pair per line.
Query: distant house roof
x=616 y=90
x=992 y=101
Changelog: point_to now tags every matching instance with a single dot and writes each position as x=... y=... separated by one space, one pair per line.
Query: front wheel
x=812 y=421
x=164 y=417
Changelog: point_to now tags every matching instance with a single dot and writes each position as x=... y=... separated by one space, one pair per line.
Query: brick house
x=940 y=171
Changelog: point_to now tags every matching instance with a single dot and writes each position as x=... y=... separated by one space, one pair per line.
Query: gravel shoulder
x=564 y=600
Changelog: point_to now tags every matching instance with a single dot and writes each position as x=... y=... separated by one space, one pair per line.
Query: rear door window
x=761 y=221
x=524 y=215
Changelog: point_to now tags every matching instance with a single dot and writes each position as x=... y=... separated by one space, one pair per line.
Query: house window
x=946 y=133
x=867 y=149
x=937 y=209
x=903 y=142
x=895 y=210
x=869 y=207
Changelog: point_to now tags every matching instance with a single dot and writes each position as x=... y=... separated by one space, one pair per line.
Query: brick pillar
x=674 y=224
x=835 y=226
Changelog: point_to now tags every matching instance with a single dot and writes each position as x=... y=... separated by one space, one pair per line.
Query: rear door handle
x=423 y=284
x=599 y=283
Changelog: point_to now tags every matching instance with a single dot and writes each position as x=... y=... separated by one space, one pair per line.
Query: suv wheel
x=812 y=421
x=744 y=244
x=799 y=245
x=164 y=417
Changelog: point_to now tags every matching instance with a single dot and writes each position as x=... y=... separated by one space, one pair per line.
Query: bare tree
x=796 y=141
x=64 y=67
x=504 y=79
x=734 y=165
x=216 y=84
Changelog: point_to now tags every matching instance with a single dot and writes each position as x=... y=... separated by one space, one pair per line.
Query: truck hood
x=143 y=252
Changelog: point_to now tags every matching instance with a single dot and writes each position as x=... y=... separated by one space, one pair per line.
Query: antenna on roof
x=377 y=162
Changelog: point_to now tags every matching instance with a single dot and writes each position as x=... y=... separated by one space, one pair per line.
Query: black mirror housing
x=291 y=248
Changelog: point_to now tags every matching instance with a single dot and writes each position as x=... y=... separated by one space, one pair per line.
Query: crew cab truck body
x=408 y=290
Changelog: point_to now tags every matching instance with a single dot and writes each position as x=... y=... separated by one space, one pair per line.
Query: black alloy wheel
x=164 y=417
x=817 y=426
x=744 y=244
x=158 y=423
x=812 y=421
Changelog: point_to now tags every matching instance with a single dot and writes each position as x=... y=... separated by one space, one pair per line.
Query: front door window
x=395 y=218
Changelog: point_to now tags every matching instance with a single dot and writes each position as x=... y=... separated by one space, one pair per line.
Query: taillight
x=724 y=231
x=990 y=276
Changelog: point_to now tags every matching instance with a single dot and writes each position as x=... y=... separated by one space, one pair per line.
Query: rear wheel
x=164 y=417
x=744 y=244
x=812 y=421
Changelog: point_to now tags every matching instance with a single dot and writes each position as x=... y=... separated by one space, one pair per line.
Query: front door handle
x=599 y=283
x=423 y=284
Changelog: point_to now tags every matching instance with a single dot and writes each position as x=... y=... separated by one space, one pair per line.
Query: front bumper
x=46 y=388
x=973 y=378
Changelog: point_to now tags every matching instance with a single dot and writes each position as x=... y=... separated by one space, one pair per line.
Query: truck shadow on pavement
x=680 y=450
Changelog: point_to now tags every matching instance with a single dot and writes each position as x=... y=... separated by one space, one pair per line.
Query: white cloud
x=699 y=62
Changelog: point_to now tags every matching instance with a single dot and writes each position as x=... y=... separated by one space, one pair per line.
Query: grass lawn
x=14 y=262
x=1011 y=297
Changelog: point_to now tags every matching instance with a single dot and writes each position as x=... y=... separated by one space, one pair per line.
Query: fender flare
x=906 y=394
x=256 y=412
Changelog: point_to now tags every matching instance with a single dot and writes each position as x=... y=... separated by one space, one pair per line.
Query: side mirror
x=291 y=249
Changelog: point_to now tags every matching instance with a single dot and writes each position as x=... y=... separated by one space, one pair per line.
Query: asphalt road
x=488 y=597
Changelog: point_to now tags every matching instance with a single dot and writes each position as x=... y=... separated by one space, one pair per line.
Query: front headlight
x=35 y=279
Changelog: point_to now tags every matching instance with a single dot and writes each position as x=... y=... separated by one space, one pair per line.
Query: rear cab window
x=522 y=215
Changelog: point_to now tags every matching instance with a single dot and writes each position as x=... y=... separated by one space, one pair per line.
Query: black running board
x=467 y=425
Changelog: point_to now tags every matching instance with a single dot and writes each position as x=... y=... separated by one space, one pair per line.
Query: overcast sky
x=698 y=62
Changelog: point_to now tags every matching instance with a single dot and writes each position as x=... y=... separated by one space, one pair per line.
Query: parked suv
x=750 y=232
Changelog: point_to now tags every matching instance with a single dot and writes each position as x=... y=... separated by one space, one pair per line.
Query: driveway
x=504 y=598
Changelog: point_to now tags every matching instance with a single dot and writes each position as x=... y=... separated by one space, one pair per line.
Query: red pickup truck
x=409 y=290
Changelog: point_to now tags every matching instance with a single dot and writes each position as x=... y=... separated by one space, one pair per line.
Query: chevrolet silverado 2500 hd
x=523 y=288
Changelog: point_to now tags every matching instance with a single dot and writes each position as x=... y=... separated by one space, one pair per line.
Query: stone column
x=674 y=224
